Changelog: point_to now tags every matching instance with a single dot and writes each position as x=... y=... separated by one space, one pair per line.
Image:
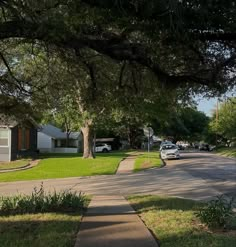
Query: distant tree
x=63 y=115
x=224 y=123
x=187 y=124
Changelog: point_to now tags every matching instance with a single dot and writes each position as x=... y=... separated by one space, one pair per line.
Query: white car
x=169 y=151
x=102 y=147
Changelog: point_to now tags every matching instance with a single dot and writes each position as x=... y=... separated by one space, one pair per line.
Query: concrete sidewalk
x=111 y=222
x=127 y=165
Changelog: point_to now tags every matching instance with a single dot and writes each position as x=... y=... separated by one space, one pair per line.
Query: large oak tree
x=184 y=44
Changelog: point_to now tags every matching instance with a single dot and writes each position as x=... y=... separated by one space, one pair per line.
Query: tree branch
x=108 y=44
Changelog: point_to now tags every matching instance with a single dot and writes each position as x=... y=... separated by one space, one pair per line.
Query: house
x=18 y=138
x=53 y=140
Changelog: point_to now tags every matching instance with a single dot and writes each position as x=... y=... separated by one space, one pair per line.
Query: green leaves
x=217 y=213
x=40 y=202
x=224 y=123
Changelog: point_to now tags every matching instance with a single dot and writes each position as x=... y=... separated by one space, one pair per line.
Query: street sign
x=148 y=131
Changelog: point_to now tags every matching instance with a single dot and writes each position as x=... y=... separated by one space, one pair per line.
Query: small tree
x=63 y=115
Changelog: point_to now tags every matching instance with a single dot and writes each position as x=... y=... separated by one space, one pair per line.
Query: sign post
x=148 y=132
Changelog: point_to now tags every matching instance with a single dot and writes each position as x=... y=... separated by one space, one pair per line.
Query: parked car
x=102 y=147
x=204 y=147
x=212 y=148
x=196 y=145
x=180 y=147
x=170 y=151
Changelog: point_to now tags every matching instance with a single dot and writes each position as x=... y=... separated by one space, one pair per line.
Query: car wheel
x=105 y=150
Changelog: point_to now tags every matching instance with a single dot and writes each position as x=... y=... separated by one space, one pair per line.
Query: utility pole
x=217 y=118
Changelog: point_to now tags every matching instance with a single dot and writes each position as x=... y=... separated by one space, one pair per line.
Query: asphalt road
x=217 y=171
x=198 y=176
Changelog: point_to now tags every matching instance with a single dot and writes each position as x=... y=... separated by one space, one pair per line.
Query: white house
x=53 y=140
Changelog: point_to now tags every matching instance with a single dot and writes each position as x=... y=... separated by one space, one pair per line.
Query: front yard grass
x=39 y=230
x=146 y=160
x=67 y=165
x=173 y=222
x=228 y=152
x=41 y=219
x=14 y=164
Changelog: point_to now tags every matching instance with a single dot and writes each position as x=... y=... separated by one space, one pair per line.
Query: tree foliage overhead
x=125 y=52
x=182 y=42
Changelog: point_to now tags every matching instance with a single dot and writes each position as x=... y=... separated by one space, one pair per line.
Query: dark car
x=180 y=147
x=204 y=147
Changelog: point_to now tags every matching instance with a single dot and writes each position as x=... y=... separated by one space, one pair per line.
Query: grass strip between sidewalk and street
x=147 y=160
x=226 y=151
x=174 y=223
x=67 y=165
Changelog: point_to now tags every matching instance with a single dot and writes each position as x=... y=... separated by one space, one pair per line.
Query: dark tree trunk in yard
x=88 y=140
x=67 y=139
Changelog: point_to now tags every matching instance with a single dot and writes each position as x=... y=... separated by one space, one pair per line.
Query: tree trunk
x=67 y=139
x=88 y=140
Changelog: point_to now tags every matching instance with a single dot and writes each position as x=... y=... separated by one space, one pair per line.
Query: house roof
x=57 y=133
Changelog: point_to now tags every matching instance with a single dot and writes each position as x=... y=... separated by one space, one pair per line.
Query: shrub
x=217 y=213
x=40 y=202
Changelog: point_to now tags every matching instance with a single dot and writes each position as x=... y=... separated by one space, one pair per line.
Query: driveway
x=196 y=176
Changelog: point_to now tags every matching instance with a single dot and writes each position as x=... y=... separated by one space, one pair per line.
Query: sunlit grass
x=68 y=165
x=147 y=160
x=174 y=223
x=228 y=152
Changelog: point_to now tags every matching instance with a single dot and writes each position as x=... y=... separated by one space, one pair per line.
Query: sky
x=209 y=105
x=206 y=105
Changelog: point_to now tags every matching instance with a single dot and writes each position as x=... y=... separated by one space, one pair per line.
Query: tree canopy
x=182 y=42
x=186 y=123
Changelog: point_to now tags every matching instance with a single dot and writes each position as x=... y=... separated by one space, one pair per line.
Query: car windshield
x=167 y=147
x=100 y=145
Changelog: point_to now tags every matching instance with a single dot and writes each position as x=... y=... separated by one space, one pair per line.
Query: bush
x=41 y=202
x=217 y=213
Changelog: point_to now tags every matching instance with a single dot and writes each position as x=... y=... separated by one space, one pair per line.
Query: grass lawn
x=146 y=160
x=39 y=230
x=173 y=222
x=229 y=152
x=68 y=165
x=13 y=164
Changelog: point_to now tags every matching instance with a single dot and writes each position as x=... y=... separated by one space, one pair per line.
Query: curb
x=14 y=169
x=22 y=168
x=163 y=163
x=225 y=156
x=150 y=230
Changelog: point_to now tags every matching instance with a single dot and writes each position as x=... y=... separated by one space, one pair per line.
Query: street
x=217 y=171
x=196 y=175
